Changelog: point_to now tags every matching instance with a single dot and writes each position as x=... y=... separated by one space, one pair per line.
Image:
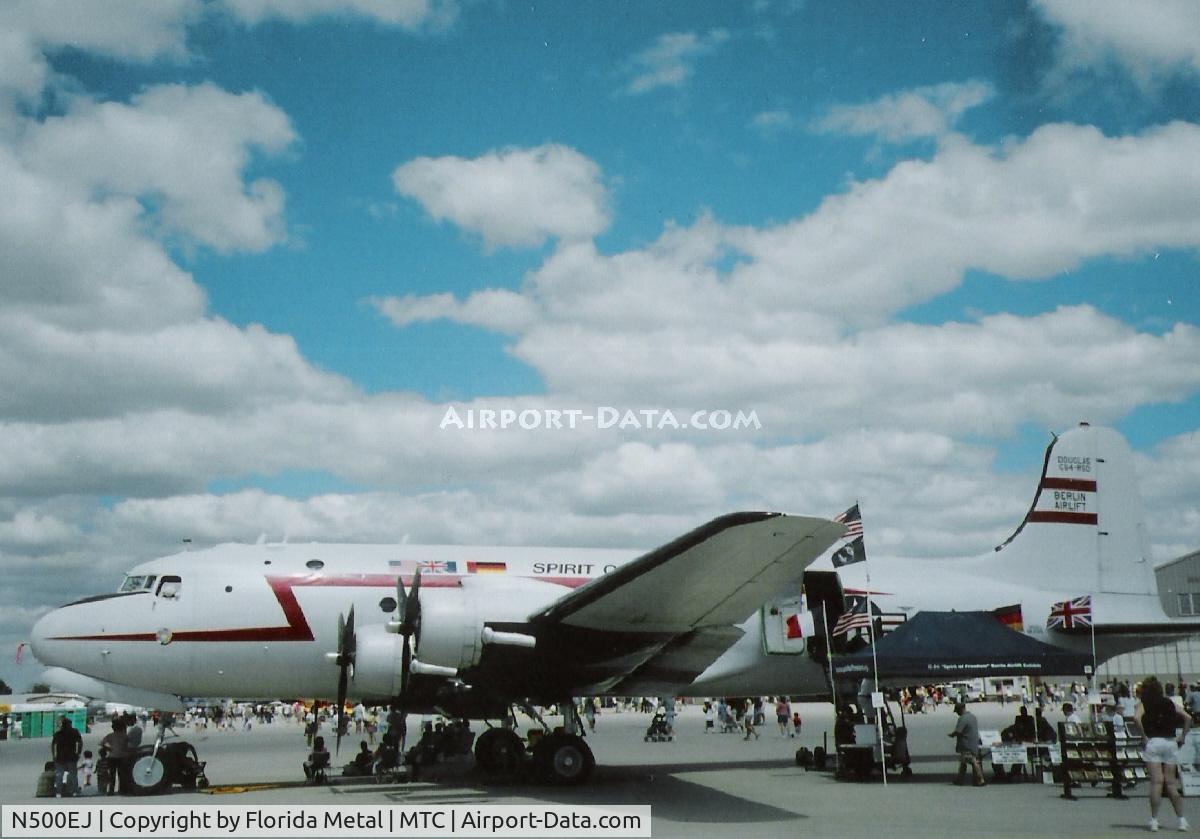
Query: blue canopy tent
x=948 y=646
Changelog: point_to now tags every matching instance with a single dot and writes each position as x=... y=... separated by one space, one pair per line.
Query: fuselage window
x=314 y=564
x=169 y=587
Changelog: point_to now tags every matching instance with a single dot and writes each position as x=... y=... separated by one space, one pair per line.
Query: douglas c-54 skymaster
x=466 y=631
x=479 y=628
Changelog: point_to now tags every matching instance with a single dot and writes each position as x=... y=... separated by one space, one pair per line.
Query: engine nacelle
x=377 y=659
x=452 y=629
x=452 y=619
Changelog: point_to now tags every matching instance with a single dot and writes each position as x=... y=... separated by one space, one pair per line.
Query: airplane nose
x=40 y=634
x=43 y=638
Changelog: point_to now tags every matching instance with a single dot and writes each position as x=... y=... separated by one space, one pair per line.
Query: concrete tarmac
x=699 y=785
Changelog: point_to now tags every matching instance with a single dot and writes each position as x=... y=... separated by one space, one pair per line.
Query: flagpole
x=829 y=656
x=1092 y=621
x=874 y=655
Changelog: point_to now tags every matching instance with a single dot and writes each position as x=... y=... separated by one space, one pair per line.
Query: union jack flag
x=852 y=518
x=1071 y=614
x=437 y=566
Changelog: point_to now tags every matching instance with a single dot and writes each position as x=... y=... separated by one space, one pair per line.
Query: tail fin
x=1086 y=529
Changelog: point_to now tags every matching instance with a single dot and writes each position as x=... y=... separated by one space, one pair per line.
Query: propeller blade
x=408 y=607
x=401 y=602
x=350 y=646
x=347 y=647
x=412 y=612
x=341 y=706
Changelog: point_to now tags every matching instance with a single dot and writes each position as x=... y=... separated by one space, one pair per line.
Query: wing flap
x=716 y=575
x=679 y=663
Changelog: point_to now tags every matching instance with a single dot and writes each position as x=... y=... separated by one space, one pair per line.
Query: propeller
x=408 y=626
x=347 y=647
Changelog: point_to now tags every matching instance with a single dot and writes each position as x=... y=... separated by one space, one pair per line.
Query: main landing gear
x=558 y=757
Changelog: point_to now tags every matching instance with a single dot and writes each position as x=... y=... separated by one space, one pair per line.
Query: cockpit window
x=169 y=587
x=137 y=582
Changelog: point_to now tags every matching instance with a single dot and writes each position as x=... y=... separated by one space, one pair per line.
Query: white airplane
x=478 y=629
x=1076 y=573
x=467 y=631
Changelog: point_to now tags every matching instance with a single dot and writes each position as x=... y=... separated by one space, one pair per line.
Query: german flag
x=1010 y=616
x=487 y=567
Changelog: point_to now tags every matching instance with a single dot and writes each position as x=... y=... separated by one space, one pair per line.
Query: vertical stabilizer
x=1086 y=529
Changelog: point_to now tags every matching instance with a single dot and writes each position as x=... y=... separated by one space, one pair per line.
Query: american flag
x=1071 y=614
x=855 y=617
x=852 y=518
x=851 y=621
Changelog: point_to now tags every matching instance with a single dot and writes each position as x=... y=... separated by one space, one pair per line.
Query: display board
x=1099 y=754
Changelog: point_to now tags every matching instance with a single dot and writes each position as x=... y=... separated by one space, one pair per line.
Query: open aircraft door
x=786 y=626
x=797 y=624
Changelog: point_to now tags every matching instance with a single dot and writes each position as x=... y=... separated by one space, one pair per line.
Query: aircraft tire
x=499 y=752
x=564 y=760
x=149 y=774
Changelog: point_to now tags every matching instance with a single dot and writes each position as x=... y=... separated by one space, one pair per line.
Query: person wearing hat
x=968 y=745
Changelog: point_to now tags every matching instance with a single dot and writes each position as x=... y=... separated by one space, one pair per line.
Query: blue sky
x=254 y=250
x=363 y=97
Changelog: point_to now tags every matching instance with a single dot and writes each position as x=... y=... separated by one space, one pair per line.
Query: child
x=795 y=723
x=106 y=773
x=86 y=767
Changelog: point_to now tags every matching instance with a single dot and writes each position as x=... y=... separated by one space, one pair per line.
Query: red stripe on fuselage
x=297 y=628
x=1075 y=484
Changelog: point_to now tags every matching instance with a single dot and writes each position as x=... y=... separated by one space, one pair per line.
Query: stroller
x=659 y=730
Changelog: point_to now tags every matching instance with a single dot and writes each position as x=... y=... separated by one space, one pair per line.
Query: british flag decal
x=1071 y=614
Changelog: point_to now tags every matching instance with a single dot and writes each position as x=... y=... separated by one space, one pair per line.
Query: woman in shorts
x=1160 y=719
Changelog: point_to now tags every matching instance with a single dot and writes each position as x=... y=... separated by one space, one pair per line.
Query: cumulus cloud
x=134 y=30
x=1024 y=210
x=186 y=147
x=909 y=115
x=671 y=60
x=798 y=323
x=517 y=197
x=1151 y=41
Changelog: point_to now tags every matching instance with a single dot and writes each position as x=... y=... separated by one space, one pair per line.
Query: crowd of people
x=746 y=715
x=1162 y=714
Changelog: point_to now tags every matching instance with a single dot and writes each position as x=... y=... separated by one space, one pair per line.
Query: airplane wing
x=715 y=576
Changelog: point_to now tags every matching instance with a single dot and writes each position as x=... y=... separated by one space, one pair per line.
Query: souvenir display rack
x=1098 y=753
